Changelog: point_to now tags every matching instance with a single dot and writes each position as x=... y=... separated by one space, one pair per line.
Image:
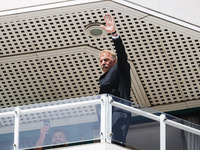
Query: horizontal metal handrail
x=136 y=111
x=51 y=108
x=183 y=127
x=157 y=118
x=7 y=114
x=62 y=106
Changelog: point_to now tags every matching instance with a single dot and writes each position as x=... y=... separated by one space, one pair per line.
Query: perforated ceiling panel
x=47 y=56
x=48 y=77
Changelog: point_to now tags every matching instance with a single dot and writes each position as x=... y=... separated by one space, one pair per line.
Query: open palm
x=110 y=23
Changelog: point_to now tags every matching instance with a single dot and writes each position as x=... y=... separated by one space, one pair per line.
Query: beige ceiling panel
x=171 y=26
x=28 y=82
x=72 y=74
x=190 y=89
x=177 y=106
x=138 y=89
x=171 y=107
x=14 y=39
x=193 y=104
x=47 y=55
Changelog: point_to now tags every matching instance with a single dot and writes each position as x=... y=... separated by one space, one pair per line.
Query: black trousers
x=120 y=126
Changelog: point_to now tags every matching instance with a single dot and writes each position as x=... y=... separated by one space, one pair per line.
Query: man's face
x=106 y=61
x=58 y=137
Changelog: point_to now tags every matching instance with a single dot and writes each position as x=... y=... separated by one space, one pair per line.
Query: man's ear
x=115 y=61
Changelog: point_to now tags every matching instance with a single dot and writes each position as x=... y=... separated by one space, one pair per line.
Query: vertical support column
x=106 y=119
x=16 y=129
x=103 y=118
x=109 y=119
x=162 y=132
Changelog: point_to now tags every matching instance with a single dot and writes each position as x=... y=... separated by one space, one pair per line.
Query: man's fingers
x=113 y=18
x=105 y=18
x=109 y=18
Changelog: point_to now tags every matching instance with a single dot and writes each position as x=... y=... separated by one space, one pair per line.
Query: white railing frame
x=103 y=119
x=162 y=132
x=51 y=108
x=163 y=122
x=106 y=118
x=109 y=120
x=16 y=129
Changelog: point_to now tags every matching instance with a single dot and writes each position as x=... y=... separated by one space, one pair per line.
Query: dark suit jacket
x=117 y=80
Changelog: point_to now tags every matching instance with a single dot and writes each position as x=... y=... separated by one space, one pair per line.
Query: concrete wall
x=96 y=146
x=185 y=10
x=15 y=4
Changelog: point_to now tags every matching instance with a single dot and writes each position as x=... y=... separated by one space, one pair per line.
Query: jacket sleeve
x=121 y=53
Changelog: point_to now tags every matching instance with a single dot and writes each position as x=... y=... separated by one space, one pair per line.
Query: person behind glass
x=116 y=79
x=58 y=137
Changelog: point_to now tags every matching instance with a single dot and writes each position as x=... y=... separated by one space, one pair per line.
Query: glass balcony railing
x=51 y=124
x=7 y=119
x=100 y=118
x=153 y=130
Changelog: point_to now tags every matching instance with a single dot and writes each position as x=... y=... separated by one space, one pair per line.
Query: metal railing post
x=109 y=119
x=103 y=119
x=162 y=132
x=106 y=118
x=16 y=129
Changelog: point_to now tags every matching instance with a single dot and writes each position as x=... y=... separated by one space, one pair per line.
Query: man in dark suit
x=116 y=80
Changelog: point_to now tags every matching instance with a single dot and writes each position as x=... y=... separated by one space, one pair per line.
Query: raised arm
x=120 y=50
x=41 y=139
x=121 y=53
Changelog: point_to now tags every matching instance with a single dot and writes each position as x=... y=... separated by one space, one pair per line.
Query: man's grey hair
x=113 y=54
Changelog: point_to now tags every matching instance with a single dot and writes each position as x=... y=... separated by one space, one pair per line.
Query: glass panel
x=6 y=129
x=179 y=139
x=135 y=131
x=76 y=123
x=60 y=127
x=144 y=133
